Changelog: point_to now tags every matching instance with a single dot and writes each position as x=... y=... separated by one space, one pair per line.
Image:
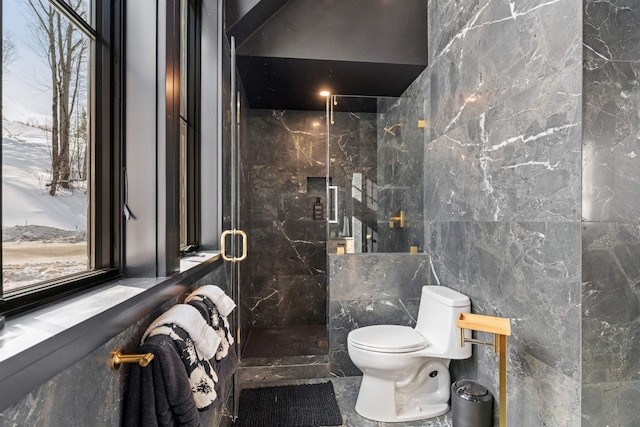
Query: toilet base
x=413 y=413
x=377 y=402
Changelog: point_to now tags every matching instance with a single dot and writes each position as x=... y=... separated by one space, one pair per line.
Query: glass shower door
x=234 y=240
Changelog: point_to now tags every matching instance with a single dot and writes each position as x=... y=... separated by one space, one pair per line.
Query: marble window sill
x=37 y=345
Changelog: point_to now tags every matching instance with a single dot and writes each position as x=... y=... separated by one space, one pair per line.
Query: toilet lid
x=388 y=338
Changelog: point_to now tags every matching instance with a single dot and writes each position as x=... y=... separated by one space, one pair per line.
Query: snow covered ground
x=43 y=236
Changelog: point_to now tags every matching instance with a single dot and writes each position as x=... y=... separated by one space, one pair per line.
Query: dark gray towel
x=159 y=395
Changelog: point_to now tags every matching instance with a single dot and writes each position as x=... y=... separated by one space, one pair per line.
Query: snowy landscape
x=43 y=236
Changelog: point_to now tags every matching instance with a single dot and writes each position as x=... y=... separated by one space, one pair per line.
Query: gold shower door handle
x=223 y=245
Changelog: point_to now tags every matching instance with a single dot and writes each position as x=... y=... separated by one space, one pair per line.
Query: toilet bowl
x=405 y=370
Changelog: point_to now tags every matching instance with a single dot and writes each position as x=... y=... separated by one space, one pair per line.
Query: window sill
x=37 y=345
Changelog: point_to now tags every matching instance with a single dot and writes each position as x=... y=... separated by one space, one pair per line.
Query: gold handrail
x=117 y=358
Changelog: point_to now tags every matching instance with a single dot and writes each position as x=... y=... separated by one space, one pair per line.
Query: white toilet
x=406 y=370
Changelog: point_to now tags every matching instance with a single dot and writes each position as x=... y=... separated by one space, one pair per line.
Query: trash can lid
x=470 y=390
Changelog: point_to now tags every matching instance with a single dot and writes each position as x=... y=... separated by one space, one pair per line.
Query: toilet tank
x=439 y=310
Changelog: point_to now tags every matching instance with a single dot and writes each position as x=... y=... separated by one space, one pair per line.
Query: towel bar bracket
x=117 y=359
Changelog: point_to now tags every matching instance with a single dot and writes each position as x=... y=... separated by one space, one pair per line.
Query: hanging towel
x=197 y=344
x=217 y=296
x=226 y=361
x=159 y=395
x=216 y=321
x=190 y=320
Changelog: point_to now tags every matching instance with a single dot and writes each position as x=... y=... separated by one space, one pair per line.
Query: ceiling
x=290 y=50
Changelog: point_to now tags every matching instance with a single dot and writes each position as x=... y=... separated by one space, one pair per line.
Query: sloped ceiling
x=288 y=51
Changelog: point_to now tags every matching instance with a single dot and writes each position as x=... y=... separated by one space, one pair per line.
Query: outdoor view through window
x=45 y=142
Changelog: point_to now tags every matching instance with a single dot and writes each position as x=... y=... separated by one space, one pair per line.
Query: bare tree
x=79 y=151
x=8 y=52
x=65 y=48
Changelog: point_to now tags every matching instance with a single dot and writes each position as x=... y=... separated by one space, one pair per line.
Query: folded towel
x=189 y=319
x=218 y=323
x=217 y=296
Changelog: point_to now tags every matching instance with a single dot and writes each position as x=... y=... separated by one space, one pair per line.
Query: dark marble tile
x=287 y=137
x=297 y=247
x=495 y=153
x=452 y=17
x=610 y=167
x=528 y=272
x=611 y=30
x=265 y=193
x=515 y=179
x=611 y=302
x=286 y=341
x=614 y=404
x=537 y=394
x=377 y=276
x=265 y=375
x=281 y=300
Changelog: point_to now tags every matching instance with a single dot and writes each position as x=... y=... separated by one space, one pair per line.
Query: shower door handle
x=223 y=245
x=333 y=215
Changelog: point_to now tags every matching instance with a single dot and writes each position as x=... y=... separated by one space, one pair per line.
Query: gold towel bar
x=117 y=358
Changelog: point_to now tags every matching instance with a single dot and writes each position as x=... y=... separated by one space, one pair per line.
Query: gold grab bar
x=399 y=219
x=501 y=328
x=223 y=245
x=117 y=358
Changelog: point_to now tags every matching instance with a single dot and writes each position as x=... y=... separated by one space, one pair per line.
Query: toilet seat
x=387 y=339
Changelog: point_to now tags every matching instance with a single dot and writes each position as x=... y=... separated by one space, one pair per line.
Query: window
x=189 y=137
x=59 y=149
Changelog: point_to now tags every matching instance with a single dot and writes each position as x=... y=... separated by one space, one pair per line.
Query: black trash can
x=471 y=404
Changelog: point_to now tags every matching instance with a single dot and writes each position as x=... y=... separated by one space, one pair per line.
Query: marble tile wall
x=502 y=190
x=611 y=211
x=89 y=393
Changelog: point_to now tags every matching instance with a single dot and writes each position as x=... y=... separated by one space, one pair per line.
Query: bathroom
x=527 y=106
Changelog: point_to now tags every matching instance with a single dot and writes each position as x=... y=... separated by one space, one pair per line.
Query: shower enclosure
x=310 y=183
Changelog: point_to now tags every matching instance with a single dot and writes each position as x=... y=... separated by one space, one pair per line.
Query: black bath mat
x=289 y=406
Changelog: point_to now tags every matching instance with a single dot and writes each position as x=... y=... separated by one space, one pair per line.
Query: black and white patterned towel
x=197 y=344
x=217 y=321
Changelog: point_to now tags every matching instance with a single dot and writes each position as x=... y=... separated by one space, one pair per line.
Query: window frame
x=104 y=220
x=192 y=122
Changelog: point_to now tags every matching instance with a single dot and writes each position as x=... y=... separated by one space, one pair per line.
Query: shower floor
x=286 y=341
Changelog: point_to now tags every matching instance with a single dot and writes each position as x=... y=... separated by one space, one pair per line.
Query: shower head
x=390 y=129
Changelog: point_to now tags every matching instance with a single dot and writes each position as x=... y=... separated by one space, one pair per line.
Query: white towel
x=217 y=296
x=188 y=318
